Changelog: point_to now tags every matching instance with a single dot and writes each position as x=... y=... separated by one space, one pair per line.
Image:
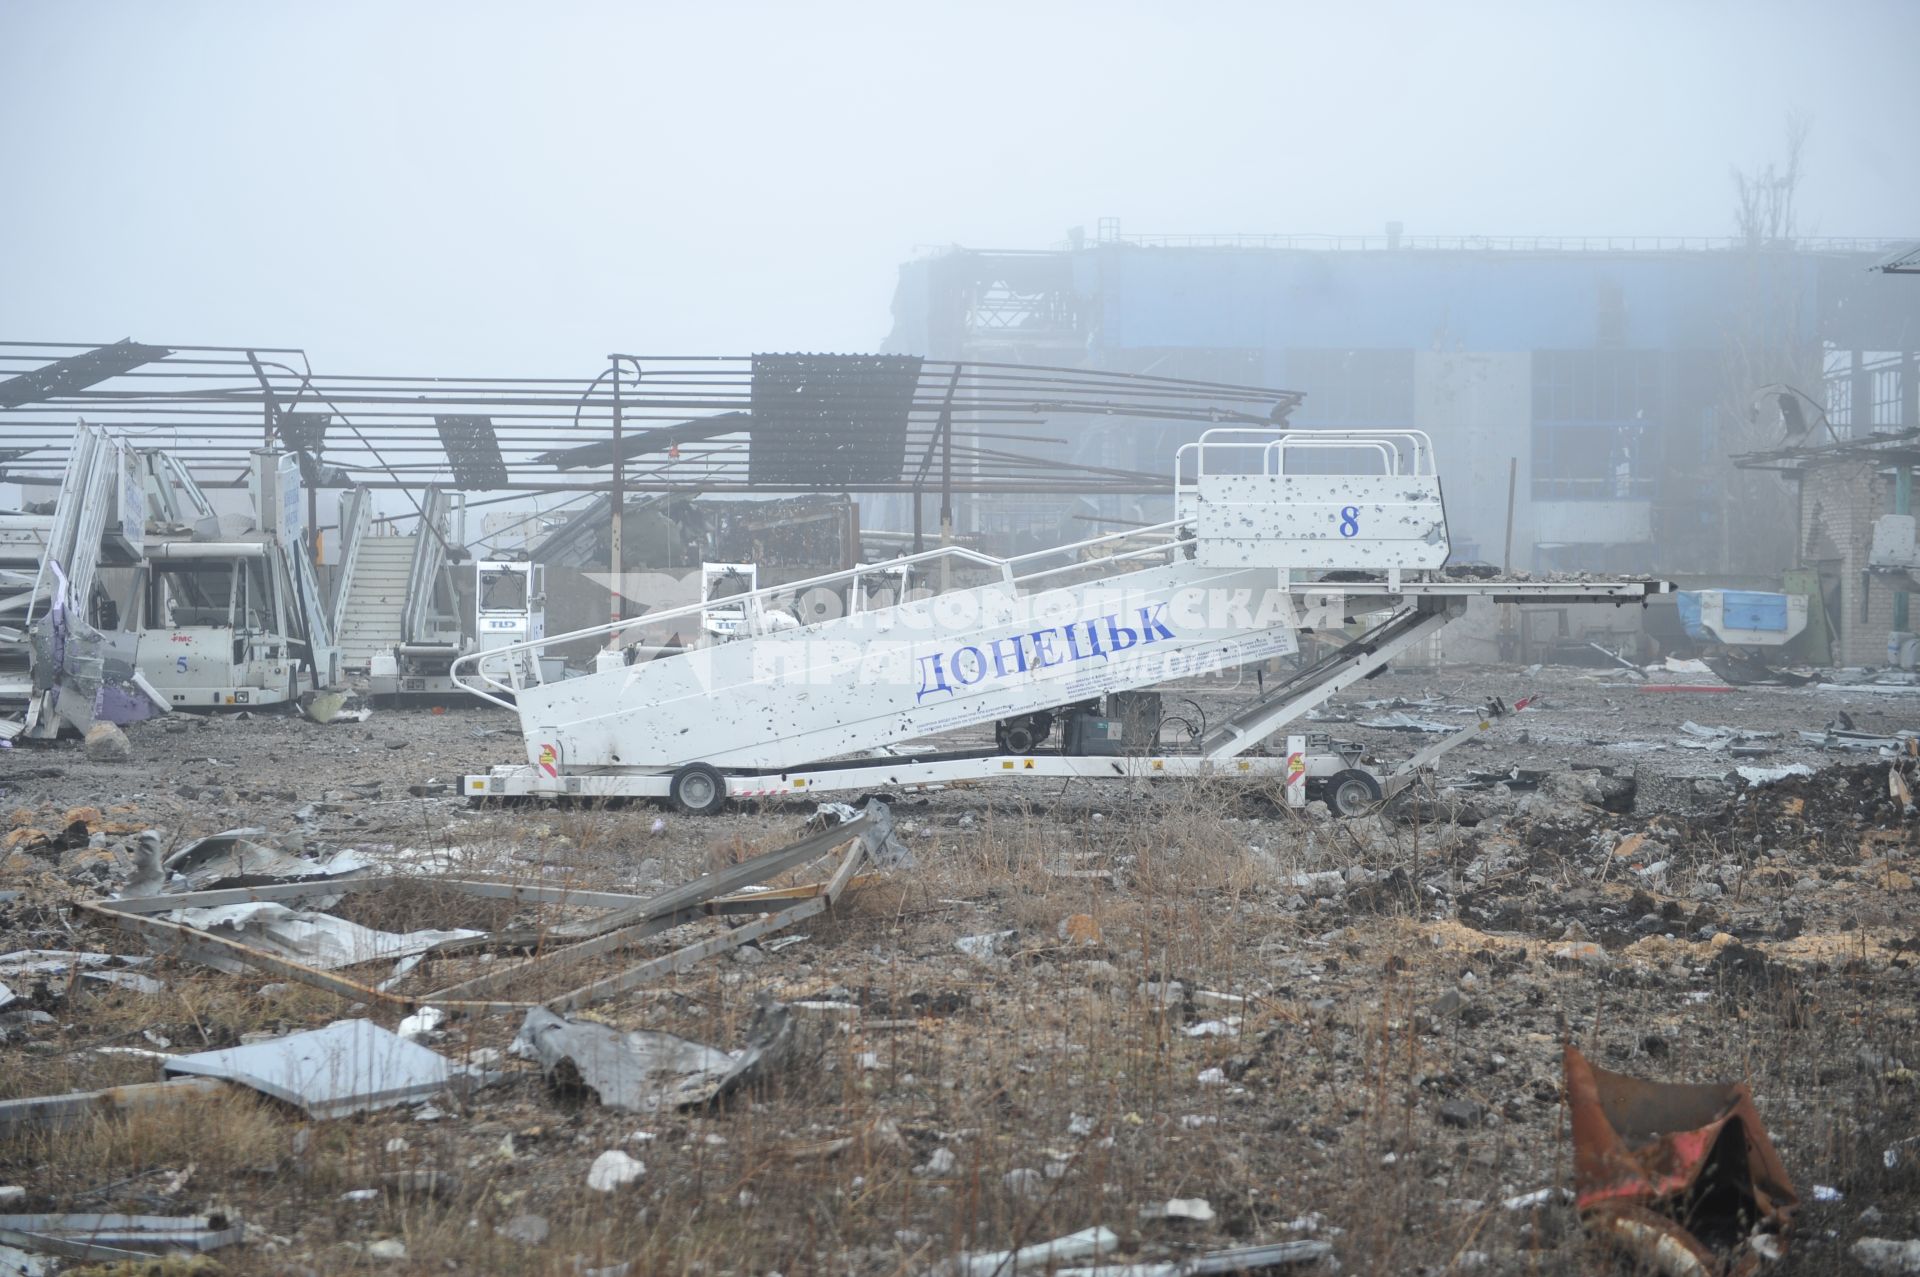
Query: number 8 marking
x=1349 y=520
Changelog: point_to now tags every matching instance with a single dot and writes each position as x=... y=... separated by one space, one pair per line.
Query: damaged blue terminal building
x=1608 y=381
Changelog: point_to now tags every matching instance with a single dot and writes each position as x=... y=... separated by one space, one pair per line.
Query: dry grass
x=1051 y=1063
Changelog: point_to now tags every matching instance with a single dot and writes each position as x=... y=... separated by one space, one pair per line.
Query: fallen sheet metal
x=1761 y=776
x=118 y=1237
x=1746 y=671
x=644 y=1071
x=350 y=1066
x=317 y=940
x=219 y=952
x=241 y=928
x=23 y=963
x=1402 y=722
x=1038 y=1257
x=884 y=846
x=239 y=858
x=1681 y=1178
x=1904 y=742
x=1736 y=740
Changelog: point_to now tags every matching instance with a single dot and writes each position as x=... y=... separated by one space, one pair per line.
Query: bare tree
x=1763 y=211
x=1763 y=345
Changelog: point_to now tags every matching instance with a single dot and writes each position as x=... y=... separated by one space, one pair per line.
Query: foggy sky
x=519 y=189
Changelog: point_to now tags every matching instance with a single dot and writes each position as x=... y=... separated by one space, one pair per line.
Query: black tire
x=1351 y=792
x=697 y=790
x=1016 y=738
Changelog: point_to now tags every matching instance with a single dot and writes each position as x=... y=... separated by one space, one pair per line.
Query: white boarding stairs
x=1237 y=574
x=385 y=596
x=375 y=599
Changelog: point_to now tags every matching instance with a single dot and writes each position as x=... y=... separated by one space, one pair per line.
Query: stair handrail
x=356 y=521
x=1004 y=567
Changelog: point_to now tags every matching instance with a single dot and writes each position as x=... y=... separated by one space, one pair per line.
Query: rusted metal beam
x=55 y=1111
x=721 y=882
x=683 y=960
x=611 y=942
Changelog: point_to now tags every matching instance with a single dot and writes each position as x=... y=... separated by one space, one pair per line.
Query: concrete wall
x=1478 y=409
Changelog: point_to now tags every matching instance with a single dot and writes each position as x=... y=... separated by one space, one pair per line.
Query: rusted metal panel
x=1649 y=1155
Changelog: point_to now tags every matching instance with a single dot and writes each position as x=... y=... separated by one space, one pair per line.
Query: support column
x=616 y=567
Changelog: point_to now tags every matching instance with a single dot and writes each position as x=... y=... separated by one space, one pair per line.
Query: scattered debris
x=1737 y=741
x=1403 y=722
x=1649 y=1155
x=1846 y=739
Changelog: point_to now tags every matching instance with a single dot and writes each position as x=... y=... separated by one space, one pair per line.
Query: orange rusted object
x=1681 y=1177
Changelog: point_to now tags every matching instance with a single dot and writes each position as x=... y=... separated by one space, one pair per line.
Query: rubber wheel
x=1017 y=739
x=1352 y=792
x=698 y=790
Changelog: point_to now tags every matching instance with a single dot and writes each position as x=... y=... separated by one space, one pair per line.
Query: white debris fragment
x=1884 y=1256
x=1197 y=1210
x=1035 y=1258
x=1827 y=1193
x=939 y=1162
x=1759 y=776
x=1538 y=1197
x=1024 y=1181
x=985 y=945
x=421 y=1023
x=612 y=1169
x=1226 y=1028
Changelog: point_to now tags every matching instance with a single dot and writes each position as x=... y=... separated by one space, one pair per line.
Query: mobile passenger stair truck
x=66 y=662
x=229 y=611
x=406 y=606
x=1265 y=545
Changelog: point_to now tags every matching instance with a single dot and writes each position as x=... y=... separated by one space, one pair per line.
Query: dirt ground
x=1370 y=1060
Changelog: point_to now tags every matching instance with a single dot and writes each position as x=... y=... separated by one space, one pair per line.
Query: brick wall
x=1838 y=505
